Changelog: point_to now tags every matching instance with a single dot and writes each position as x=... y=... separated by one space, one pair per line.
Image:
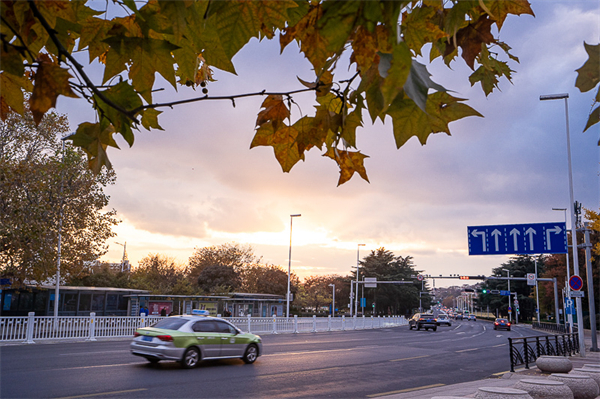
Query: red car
x=501 y=324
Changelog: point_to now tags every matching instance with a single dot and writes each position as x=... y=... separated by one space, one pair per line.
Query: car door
x=208 y=338
x=231 y=344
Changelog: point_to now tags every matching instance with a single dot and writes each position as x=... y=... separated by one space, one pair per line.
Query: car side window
x=204 y=326
x=223 y=327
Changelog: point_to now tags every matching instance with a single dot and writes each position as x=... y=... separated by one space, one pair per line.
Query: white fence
x=29 y=329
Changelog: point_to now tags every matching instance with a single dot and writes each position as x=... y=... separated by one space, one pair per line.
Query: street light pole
x=567 y=290
x=357 y=261
x=565 y=96
x=333 y=301
x=290 y=267
x=509 y=295
x=60 y=222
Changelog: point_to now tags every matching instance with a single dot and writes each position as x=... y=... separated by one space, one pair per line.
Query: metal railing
x=552 y=327
x=31 y=328
x=526 y=350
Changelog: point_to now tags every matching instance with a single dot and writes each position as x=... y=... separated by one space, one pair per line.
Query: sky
x=198 y=183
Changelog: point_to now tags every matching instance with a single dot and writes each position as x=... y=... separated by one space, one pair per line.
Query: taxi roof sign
x=200 y=312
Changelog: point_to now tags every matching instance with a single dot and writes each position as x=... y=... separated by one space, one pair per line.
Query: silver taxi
x=188 y=339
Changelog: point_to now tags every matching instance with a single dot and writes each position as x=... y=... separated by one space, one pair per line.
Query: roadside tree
x=161 y=275
x=266 y=279
x=230 y=254
x=42 y=191
x=391 y=298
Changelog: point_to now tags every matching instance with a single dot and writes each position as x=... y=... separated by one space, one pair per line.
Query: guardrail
x=552 y=327
x=31 y=328
x=526 y=350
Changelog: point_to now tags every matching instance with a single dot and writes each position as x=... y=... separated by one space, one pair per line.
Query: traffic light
x=484 y=291
x=464 y=277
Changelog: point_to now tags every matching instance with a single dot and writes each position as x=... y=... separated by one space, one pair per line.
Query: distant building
x=96 y=266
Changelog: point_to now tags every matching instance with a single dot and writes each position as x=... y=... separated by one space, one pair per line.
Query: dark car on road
x=500 y=324
x=423 y=320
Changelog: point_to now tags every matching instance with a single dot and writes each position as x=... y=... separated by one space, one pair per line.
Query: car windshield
x=171 y=323
x=501 y=320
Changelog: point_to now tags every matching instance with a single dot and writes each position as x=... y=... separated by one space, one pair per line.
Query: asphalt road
x=351 y=364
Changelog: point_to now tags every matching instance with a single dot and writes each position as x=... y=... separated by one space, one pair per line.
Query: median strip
x=375 y=395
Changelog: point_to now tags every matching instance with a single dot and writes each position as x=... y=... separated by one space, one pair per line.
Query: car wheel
x=251 y=354
x=410 y=327
x=434 y=328
x=153 y=360
x=508 y=329
x=495 y=328
x=191 y=358
x=418 y=327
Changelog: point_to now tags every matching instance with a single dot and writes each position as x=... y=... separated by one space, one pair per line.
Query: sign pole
x=537 y=296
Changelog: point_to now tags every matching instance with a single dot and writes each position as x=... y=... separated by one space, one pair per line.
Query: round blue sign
x=575 y=282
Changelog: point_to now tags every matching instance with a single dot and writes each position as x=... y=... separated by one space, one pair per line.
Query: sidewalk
x=507 y=380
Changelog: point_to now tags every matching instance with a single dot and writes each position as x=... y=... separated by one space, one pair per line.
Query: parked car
x=443 y=320
x=501 y=324
x=189 y=339
x=423 y=320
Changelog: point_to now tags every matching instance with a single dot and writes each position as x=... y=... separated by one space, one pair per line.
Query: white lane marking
x=310 y=352
x=467 y=350
x=99 y=366
x=91 y=353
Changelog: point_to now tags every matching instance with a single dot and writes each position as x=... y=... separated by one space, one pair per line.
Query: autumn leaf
x=500 y=9
x=283 y=141
x=50 y=81
x=275 y=112
x=471 y=38
x=11 y=90
x=349 y=163
x=588 y=76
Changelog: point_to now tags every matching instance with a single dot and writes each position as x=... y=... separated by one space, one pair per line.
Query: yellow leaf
x=274 y=111
x=349 y=162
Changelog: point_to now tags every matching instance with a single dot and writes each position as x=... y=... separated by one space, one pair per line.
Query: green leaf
x=588 y=75
x=146 y=56
x=94 y=138
x=395 y=69
x=150 y=119
x=418 y=84
x=124 y=96
x=419 y=28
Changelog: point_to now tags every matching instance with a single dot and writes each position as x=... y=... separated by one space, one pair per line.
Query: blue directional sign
x=533 y=238
x=505 y=292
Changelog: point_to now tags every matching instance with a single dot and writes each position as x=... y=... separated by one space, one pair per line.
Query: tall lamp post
x=565 y=96
x=333 y=301
x=60 y=222
x=357 y=261
x=509 y=295
x=290 y=266
x=567 y=290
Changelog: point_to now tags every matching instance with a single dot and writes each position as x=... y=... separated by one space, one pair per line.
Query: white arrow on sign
x=530 y=232
x=555 y=230
x=476 y=233
x=515 y=233
x=496 y=233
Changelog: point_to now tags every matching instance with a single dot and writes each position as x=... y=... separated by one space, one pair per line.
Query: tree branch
x=63 y=51
x=230 y=98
